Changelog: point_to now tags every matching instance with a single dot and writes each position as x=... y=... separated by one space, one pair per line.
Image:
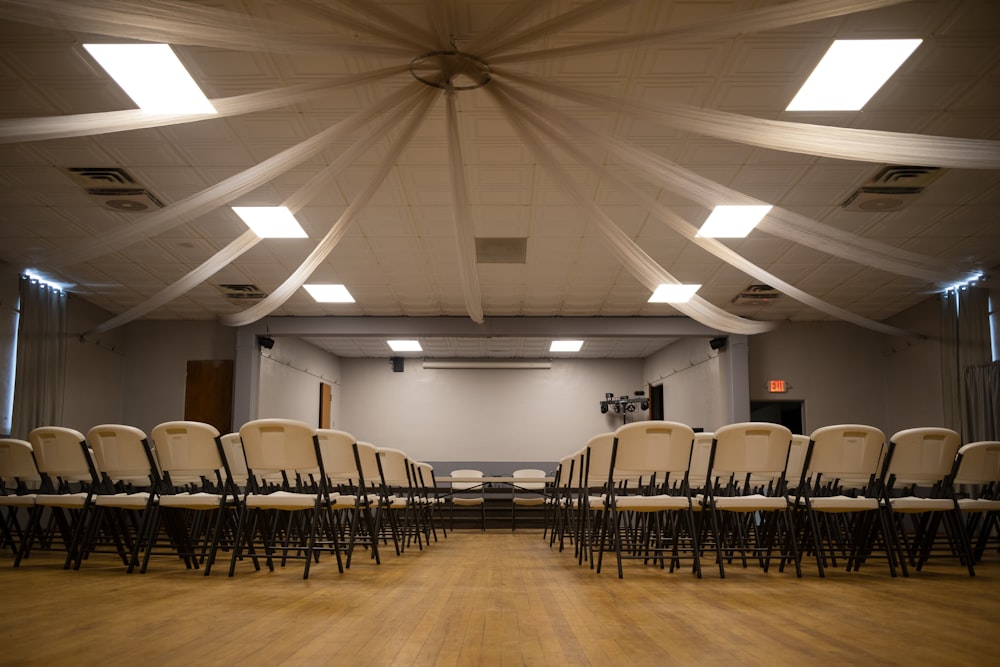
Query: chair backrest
x=287 y=445
x=395 y=467
x=337 y=450
x=653 y=446
x=63 y=453
x=922 y=455
x=188 y=450
x=424 y=474
x=979 y=463
x=759 y=448
x=232 y=447
x=796 y=457
x=123 y=453
x=463 y=486
x=851 y=453
x=701 y=456
x=528 y=474
x=566 y=471
x=598 y=460
x=366 y=462
x=17 y=464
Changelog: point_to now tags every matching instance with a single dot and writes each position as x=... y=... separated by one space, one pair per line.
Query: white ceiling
x=400 y=257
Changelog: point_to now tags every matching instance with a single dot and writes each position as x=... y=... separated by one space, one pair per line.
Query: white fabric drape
x=295 y=202
x=274 y=300
x=16 y=130
x=723 y=24
x=206 y=270
x=221 y=193
x=779 y=222
x=39 y=376
x=178 y=22
x=643 y=267
x=689 y=231
x=464 y=233
x=820 y=140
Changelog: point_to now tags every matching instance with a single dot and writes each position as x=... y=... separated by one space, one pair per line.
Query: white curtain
x=982 y=409
x=39 y=377
x=965 y=343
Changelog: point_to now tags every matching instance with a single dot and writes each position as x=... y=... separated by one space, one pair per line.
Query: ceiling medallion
x=450 y=70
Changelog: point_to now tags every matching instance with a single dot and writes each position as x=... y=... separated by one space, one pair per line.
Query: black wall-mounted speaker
x=397 y=364
x=717 y=343
x=265 y=342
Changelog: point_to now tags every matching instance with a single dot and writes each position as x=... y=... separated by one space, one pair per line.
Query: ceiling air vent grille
x=891 y=189
x=242 y=292
x=114 y=188
x=756 y=295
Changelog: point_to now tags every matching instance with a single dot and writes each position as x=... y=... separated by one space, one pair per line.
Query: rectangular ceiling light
x=329 y=293
x=732 y=222
x=673 y=293
x=850 y=73
x=405 y=345
x=566 y=346
x=152 y=76
x=271 y=222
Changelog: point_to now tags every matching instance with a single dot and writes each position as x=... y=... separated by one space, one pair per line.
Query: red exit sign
x=777 y=386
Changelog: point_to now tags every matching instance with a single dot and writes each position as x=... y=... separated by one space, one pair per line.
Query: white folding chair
x=19 y=481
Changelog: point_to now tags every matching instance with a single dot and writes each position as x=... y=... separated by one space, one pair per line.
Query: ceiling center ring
x=451 y=70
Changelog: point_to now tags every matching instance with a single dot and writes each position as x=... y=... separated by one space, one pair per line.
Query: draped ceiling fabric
x=503 y=44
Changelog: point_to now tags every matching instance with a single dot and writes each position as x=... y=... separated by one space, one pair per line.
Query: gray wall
x=483 y=415
x=290 y=375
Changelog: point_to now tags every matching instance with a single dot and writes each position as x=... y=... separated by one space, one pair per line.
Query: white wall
x=914 y=394
x=702 y=387
x=290 y=375
x=156 y=356
x=95 y=370
x=483 y=415
x=838 y=369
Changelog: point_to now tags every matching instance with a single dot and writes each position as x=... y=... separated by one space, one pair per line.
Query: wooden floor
x=493 y=598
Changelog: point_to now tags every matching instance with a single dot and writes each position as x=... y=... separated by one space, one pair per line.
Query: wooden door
x=208 y=393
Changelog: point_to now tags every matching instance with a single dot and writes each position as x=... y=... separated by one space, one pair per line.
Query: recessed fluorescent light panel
x=271 y=222
x=850 y=73
x=732 y=222
x=673 y=293
x=566 y=346
x=405 y=345
x=329 y=293
x=152 y=76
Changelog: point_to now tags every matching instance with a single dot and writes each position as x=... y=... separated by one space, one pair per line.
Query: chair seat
x=71 y=500
x=467 y=502
x=191 y=500
x=131 y=500
x=844 y=504
x=26 y=500
x=912 y=504
x=652 y=503
x=751 y=503
x=281 y=500
x=341 y=501
x=981 y=505
x=528 y=501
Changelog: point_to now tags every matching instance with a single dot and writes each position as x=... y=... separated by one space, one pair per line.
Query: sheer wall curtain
x=982 y=391
x=965 y=343
x=39 y=375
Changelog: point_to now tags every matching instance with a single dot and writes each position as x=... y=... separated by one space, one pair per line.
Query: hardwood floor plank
x=494 y=598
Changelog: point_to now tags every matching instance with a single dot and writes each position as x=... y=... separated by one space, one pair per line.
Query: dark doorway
x=656 y=401
x=786 y=413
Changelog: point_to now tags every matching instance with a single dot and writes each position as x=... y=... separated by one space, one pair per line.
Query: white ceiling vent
x=494 y=250
x=114 y=188
x=756 y=295
x=891 y=189
x=242 y=292
x=127 y=199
